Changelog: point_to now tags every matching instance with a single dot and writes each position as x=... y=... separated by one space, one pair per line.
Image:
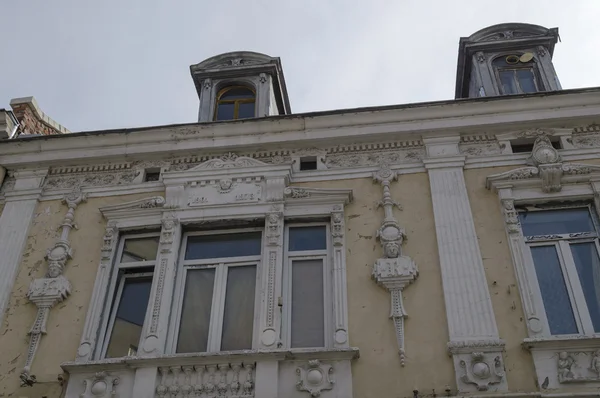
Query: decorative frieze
x=373 y=158
x=393 y=271
x=95 y=179
x=46 y=292
x=578 y=367
x=546 y=164
x=315 y=377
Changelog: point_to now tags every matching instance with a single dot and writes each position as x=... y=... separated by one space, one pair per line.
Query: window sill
x=213 y=358
x=562 y=342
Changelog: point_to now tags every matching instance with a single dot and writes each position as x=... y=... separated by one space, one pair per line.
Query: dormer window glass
x=517 y=74
x=235 y=102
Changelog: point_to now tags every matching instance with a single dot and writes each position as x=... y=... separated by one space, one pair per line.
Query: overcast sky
x=95 y=65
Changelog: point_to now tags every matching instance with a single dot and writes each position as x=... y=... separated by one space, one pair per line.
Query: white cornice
x=434 y=119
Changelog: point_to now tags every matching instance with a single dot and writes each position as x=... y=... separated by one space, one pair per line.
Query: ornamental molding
x=315 y=195
x=228 y=160
x=468 y=346
x=483 y=370
x=393 y=271
x=546 y=169
x=315 y=377
x=46 y=292
x=101 y=385
x=141 y=207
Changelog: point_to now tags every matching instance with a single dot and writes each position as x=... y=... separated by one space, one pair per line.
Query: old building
x=436 y=249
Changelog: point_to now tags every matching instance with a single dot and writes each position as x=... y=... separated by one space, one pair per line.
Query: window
x=235 y=102
x=218 y=278
x=517 y=74
x=526 y=146
x=306 y=279
x=564 y=247
x=308 y=163
x=131 y=292
x=152 y=174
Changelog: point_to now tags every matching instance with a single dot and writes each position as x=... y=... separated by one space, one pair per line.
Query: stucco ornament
x=315 y=377
x=482 y=371
x=46 y=292
x=99 y=386
x=545 y=163
x=393 y=271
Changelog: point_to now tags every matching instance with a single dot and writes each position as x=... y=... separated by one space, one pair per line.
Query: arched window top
x=517 y=74
x=235 y=102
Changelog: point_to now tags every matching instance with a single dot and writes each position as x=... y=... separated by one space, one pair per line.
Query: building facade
x=435 y=249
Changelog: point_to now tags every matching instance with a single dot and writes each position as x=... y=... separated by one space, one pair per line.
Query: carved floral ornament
x=393 y=271
x=546 y=168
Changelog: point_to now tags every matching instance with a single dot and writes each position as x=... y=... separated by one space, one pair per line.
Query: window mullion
x=218 y=307
x=582 y=315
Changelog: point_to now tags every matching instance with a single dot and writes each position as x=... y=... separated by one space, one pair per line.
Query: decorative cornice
x=140 y=207
x=468 y=346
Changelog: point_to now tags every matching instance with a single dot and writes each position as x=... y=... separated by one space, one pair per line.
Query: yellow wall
x=500 y=275
x=66 y=320
x=377 y=373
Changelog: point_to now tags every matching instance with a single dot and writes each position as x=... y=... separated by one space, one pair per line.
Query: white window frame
x=117 y=281
x=289 y=257
x=561 y=243
x=221 y=265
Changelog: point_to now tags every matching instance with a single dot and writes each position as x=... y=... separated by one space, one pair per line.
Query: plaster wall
x=378 y=373
x=501 y=279
x=66 y=320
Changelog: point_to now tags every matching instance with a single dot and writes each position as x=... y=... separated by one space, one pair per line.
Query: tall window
x=131 y=292
x=235 y=102
x=517 y=74
x=218 y=291
x=305 y=287
x=564 y=247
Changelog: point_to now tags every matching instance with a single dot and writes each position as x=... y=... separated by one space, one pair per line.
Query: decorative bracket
x=46 y=292
x=481 y=372
x=393 y=271
x=314 y=378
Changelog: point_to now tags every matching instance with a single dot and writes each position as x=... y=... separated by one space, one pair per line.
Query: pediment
x=550 y=177
x=228 y=161
x=233 y=60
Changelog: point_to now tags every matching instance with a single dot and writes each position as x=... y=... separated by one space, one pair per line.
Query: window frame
x=288 y=258
x=531 y=65
x=562 y=244
x=117 y=281
x=217 y=312
x=236 y=102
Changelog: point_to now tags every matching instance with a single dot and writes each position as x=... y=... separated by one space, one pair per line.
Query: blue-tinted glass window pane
x=225 y=245
x=308 y=238
x=507 y=79
x=246 y=110
x=526 y=81
x=554 y=291
x=565 y=221
x=588 y=269
x=195 y=313
x=129 y=320
x=237 y=93
x=225 y=111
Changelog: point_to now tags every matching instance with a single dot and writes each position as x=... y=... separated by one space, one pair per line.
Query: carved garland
x=393 y=271
x=46 y=292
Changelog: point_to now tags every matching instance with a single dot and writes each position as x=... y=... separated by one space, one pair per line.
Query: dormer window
x=516 y=74
x=235 y=102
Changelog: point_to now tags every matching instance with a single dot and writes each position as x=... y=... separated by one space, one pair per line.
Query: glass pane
x=237 y=93
x=507 y=79
x=224 y=245
x=141 y=249
x=308 y=313
x=526 y=80
x=195 y=314
x=308 y=238
x=554 y=291
x=238 y=319
x=129 y=320
x=246 y=110
x=588 y=269
x=564 y=221
x=225 y=111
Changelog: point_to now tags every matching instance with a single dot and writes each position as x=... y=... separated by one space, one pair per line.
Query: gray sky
x=123 y=63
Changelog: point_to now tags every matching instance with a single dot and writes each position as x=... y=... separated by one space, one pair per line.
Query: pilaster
x=163 y=283
x=474 y=342
x=14 y=227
